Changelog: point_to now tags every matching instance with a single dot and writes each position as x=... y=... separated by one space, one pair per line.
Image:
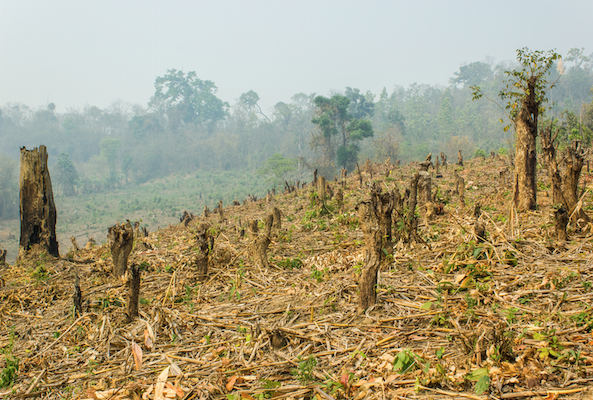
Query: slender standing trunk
x=525 y=195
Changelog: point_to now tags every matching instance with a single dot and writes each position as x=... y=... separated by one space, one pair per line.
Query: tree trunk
x=2 y=257
x=38 y=210
x=444 y=160
x=277 y=218
x=561 y=220
x=525 y=194
x=77 y=297
x=134 y=291
x=205 y=244
x=460 y=188
x=574 y=157
x=261 y=243
x=121 y=239
x=549 y=153
x=321 y=190
x=368 y=215
x=459 y=158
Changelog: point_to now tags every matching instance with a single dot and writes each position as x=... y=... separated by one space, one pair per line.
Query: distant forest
x=186 y=128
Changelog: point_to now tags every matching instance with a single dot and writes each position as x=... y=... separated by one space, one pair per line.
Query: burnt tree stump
x=261 y=243
x=375 y=217
x=459 y=158
x=205 y=243
x=2 y=257
x=121 y=239
x=444 y=160
x=561 y=220
x=133 y=291
x=77 y=297
x=37 y=207
x=277 y=218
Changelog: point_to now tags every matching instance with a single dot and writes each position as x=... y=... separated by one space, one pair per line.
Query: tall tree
x=183 y=98
x=333 y=119
x=525 y=92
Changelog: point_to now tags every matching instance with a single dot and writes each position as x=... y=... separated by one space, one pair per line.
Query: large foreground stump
x=121 y=239
x=38 y=210
x=205 y=243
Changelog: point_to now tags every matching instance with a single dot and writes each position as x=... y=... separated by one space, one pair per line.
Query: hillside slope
x=508 y=317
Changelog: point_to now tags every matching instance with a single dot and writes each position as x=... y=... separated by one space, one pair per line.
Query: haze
x=75 y=53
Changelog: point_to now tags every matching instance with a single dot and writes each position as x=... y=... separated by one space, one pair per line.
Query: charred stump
x=561 y=220
x=2 y=257
x=340 y=199
x=133 y=291
x=459 y=158
x=220 y=212
x=261 y=243
x=277 y=224
x=460 y=188
x=185 y=219
x=359 y=174
x=375 y=217
x=424 y=165
x=205 y=244
x=121 y=239
x=206 y=211
x=444 y=160
x=574 y=158
x=37 y=207
x=77 y=297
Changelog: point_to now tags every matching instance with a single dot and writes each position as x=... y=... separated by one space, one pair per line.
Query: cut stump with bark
x=133 y=291
x=38 y=210
x=561 y=220
x=277 y=218
x=374 y=216
x=121 y=239
x=261 y=243
x=205 y=243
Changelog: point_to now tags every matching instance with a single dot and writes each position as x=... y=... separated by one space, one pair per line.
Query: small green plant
x=304 y=372
x=408 y=361
x=11 y=369
x=511 y=314
x=317 y=274
x=290 y=263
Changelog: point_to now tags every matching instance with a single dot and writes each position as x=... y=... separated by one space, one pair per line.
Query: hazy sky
x=76 y=53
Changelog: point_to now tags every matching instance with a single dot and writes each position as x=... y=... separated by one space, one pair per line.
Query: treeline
x=186 y=127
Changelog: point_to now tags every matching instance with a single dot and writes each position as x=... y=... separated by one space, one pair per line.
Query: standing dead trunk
x=459 y=158
x=133 y=291
x=369 y=218
x=277 y=218
x=77 y=297
x=444 y=160
x=549 y=153
x=425 y=195
x=359 y=174
x=220 y=212
x=261 y=243
x=424 y=165
x=321 y=190
x=340 y=199
x=38 y=210
x=525 y=193
x=460 y=188
x=2 y=257
x=561 y=220
x=315 y=178
x=121 y=239
x=574 y=158
x=206 y=212
x=205 y=244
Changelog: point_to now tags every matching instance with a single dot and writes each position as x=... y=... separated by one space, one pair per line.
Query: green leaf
x=426 y=306
x=477 y=374
x=483 y=384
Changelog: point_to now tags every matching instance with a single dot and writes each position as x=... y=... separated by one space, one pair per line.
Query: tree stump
x=2 y=257
x=340 y=199
x=133 y=291
x=205 y=243
x=321 y=190
x=375 y=218
x=121 y=239
x=261 y=243
x=38 y=210
x=444 y=160
x=425 y=195
x=77 y=297
x=206 y=212
x=561 y=220
x=424 y=165
x=460 y=188
x=220 y=212
x=74 y=244
x=277 y=218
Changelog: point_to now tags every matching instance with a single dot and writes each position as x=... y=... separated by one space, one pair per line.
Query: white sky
x=78 y=52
